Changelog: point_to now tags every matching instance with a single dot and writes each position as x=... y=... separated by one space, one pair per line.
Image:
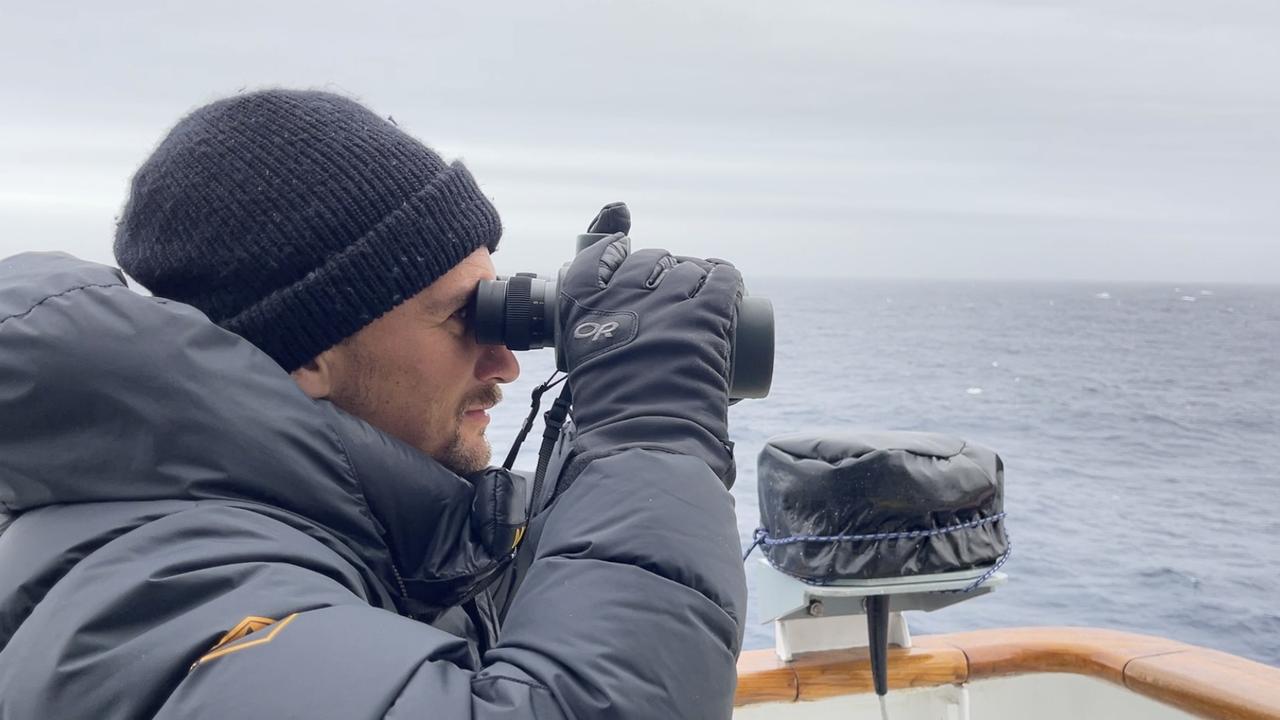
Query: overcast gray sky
x=1097 y=139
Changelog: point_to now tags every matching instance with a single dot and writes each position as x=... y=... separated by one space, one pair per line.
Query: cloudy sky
x=1029 y=139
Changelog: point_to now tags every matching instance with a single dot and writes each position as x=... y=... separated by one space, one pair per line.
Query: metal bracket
x=809 y=618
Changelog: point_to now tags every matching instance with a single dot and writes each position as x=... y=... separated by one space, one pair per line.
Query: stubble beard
x=463 y=456
x=460 y=456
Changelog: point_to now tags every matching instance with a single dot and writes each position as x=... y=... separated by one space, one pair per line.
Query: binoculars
x=522 y=311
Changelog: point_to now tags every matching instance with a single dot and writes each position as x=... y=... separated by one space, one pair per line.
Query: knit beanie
x=295 y=218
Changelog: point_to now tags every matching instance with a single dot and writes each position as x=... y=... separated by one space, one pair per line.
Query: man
x=262 y=492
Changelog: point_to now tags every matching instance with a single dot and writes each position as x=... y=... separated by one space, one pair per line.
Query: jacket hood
x=108 y=395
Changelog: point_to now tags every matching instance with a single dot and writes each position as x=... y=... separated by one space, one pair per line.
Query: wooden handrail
x=1195 y=679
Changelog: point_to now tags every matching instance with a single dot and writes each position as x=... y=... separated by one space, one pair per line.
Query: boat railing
x=1197 y=680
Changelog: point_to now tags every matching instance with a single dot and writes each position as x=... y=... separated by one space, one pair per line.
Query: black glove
x=645 y=338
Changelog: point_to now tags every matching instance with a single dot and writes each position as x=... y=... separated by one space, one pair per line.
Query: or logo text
x=595 y=331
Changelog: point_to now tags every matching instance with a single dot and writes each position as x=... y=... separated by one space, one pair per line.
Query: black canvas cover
x=858 y=506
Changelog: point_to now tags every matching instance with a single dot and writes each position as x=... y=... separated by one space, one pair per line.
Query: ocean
x=1139 y=425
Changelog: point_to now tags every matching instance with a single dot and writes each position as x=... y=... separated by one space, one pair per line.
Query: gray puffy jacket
x=184 y=534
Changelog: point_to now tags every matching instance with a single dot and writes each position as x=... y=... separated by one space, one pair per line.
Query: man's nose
x=497 y=364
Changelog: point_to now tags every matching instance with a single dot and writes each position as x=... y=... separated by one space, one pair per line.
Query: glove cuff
x=664 y=434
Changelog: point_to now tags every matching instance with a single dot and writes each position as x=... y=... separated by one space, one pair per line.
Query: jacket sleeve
x=631 y=608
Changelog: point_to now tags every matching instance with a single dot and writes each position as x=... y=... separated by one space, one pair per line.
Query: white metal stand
x=809 y=618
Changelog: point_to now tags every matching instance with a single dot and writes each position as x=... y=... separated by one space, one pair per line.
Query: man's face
x=418 y=374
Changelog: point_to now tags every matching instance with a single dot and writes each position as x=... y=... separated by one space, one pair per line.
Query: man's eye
x=462 y=314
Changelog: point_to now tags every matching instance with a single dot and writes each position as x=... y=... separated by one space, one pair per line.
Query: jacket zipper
x=404 y=592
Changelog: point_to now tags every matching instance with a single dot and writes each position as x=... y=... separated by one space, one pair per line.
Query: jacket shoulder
x=29 y=279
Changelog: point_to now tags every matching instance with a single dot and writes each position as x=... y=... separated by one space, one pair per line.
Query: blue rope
x=761 y=537
x=1008 y=548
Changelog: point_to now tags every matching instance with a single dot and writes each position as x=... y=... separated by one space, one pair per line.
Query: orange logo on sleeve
x=230 y=642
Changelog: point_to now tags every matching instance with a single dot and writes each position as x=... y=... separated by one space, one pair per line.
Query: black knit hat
x=295 y=218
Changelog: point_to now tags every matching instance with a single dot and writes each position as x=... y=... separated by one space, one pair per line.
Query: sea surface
x=1139 y=426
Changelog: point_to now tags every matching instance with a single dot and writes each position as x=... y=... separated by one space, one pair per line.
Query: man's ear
x=317 y=376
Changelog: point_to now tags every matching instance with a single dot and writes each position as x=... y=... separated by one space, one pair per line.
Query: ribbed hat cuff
x=423 y=239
